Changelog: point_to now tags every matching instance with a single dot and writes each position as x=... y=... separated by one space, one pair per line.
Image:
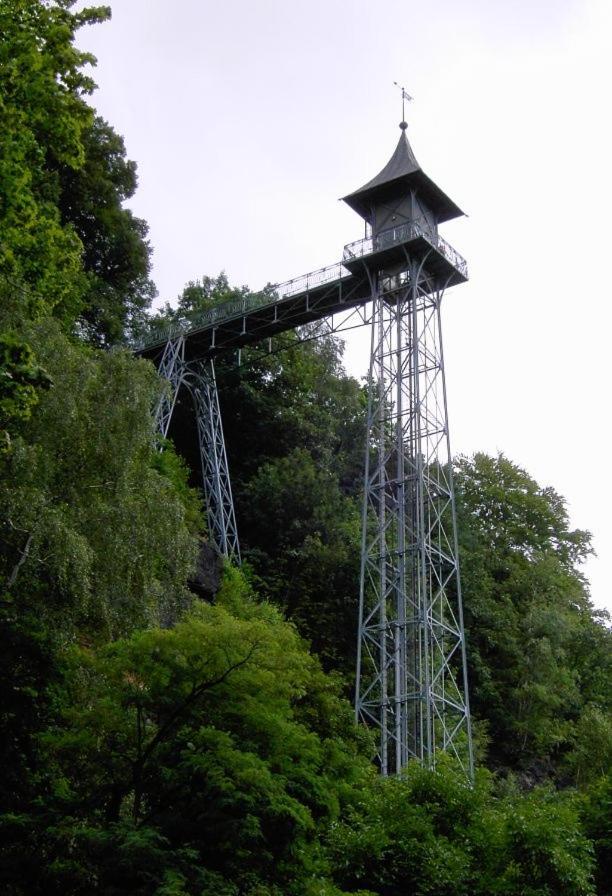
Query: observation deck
x=443 y=262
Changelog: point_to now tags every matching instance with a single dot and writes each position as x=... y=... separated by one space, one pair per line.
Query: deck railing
x=403 y=233
x=245 y=304
x=271 y=294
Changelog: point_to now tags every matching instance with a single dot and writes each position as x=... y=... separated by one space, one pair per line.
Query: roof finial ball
x=405 y=96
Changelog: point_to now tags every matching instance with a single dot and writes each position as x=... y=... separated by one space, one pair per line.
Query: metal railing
x=403 y=233
x=311 y=281
x=271 y=294
x=457 y=260
x=245 y=304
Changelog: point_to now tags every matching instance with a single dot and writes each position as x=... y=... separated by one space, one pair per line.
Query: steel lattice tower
x=411 y=667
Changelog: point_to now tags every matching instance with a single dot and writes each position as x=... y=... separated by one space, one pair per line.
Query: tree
x=597 y=820
x=208 y=754
x=21 y=380
x=67 y=245
x=84 y=490
x=116 y=254
x=296 y=486
x=534 y=642
x=96 y=537
x=43 y=116
x=431 y=833
x=198 y=296
x=304 y=548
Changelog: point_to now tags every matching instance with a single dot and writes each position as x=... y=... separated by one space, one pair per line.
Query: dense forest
x=173 y=733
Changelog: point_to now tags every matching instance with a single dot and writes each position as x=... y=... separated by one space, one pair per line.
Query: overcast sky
x=249 y=118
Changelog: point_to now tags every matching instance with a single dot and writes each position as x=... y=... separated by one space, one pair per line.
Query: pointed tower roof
x=402 y=173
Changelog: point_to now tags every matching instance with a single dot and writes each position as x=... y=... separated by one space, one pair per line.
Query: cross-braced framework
x=171 y=368
x=200 y=380
x=411 y=666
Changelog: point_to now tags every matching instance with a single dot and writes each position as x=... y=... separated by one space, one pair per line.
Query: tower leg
x=215 y=472
x=172 y=369
x=411 y=672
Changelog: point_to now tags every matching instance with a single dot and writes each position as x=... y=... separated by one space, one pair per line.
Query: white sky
x=248 y=118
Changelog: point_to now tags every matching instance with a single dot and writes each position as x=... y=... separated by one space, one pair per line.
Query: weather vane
x=405 y=96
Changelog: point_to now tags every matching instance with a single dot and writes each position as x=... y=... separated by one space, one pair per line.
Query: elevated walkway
x=311 y=297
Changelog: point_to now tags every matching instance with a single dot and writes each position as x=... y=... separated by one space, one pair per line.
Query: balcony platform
x=394 y=245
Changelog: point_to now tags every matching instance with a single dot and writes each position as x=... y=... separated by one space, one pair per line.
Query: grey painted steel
x=402 y=173
x=411 y=670
x=201 y=382
x=399 y=236
x=199 y=379
x=311 y=297
x=171 y=368
x=411 y=683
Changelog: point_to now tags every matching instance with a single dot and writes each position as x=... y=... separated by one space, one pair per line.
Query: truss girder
x=411 y=667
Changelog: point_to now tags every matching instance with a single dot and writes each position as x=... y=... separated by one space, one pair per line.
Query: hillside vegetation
x=158 y=743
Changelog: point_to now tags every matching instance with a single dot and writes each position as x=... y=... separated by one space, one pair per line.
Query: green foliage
x=21 y=379
x=99 y=535
x=156 y=745
x=170 y=465
x=116 y=254
x=216 y=757
x=42 y=118
x=94 y=540
x=597 y=819
x=590 y=756
x=538 y=655
x=197 y=296
x=203 y=757
x=432 y=834
x=67 y=245
x=304 y=549
x=294 y=426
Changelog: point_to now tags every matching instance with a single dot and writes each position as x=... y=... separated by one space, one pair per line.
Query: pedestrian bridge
x=310 y=297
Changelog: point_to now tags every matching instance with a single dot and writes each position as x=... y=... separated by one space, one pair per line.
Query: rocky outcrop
x=206 y=579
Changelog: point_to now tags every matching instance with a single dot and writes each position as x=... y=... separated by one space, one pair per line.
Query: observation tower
x=411 y=681
x=411 y=678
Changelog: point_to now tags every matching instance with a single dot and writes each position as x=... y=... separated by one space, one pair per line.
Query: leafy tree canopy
x=43 y=115
x=67 y=245
x=539 y=655
x=216 y=757
x=97 y=536
x=116 y=254
x=207 y=754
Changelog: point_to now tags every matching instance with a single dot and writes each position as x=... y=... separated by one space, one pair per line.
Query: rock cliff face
x=206 y=579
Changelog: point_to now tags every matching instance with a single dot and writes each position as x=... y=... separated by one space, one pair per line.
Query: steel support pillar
x=411 y=666
x=200 y=379
x=171 y=368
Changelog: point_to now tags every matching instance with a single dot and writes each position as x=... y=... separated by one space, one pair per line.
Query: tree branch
x=163 y=732
x=22 y=559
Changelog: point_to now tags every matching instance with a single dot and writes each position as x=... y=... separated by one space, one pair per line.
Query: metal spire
x=405 y=96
